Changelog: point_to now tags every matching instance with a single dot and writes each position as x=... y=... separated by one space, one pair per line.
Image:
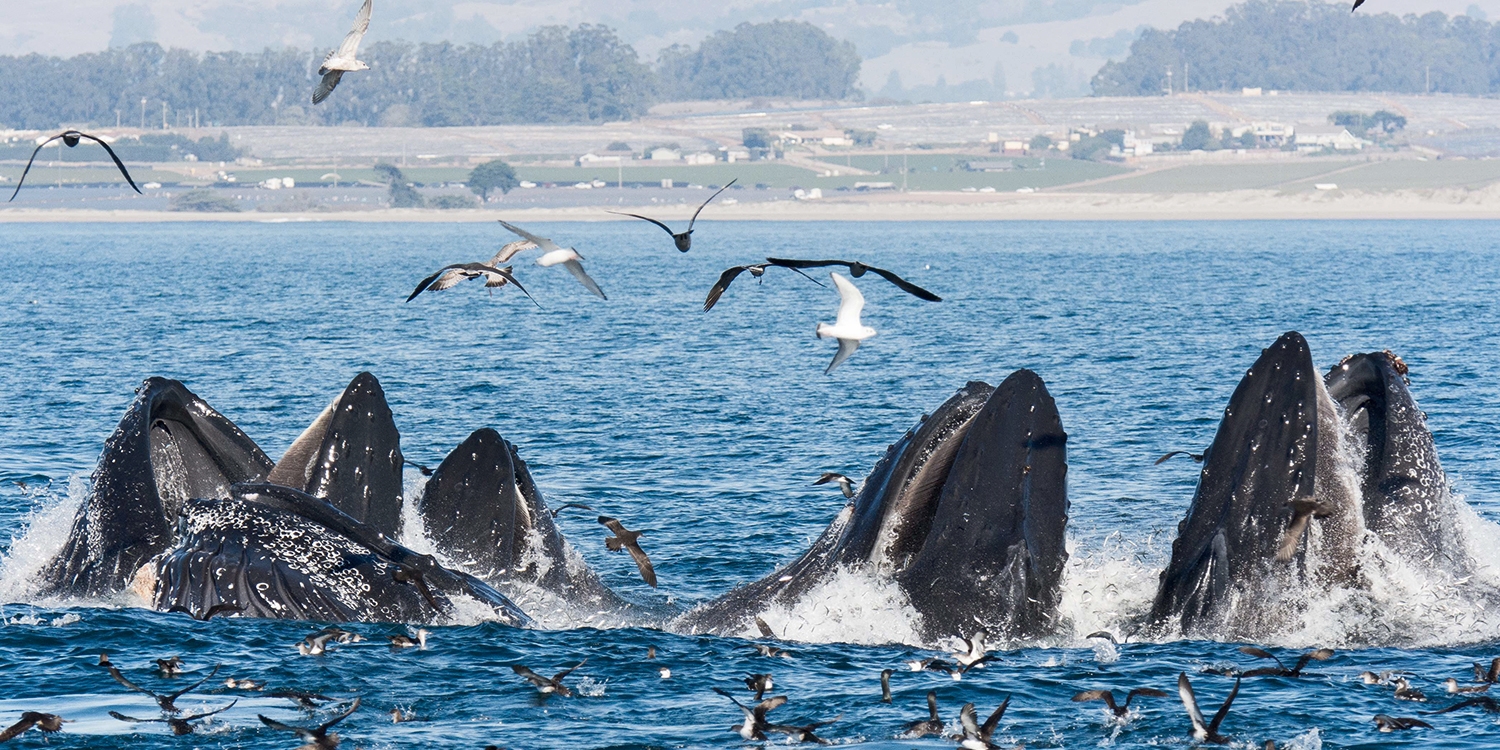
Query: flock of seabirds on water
x=200 y=495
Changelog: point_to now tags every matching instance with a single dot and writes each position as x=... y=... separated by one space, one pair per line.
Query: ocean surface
x=706 y=430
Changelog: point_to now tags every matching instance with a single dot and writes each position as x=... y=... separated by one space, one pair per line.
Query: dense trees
x=558 y=74
x=779 y=58
x=1311 y=46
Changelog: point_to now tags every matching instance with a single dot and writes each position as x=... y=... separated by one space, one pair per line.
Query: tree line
x=1311 y=46
x=557 y=74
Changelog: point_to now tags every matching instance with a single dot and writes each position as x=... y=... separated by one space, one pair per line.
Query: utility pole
x=164 y=115
x=143 y=113
x=1429 y=80
x=1169 y=81
x=903 y=173
x=117 y=119
x=620 y=173
x=1185 y=85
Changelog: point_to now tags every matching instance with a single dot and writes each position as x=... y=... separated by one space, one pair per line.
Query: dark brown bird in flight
x=629 y=540
x=683 y=240
x=70 y=139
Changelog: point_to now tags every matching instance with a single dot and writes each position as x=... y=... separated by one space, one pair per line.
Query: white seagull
x=343 y=60
x=553 y=255
x=846 y=328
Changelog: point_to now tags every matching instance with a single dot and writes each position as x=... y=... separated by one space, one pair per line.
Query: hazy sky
x=983 y=42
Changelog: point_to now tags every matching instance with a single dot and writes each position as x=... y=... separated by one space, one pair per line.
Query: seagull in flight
x=730 y=274
x=846 y=328
x=70 y=138
x=452 y=274
x=343 y=60
x=684 y=240
x=552 y=255
x=846 y=485
x=857 y=270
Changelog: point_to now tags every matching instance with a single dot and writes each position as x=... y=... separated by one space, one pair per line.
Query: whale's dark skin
x=351 y=457
x=483 y=510
x=1407 y=502
x=276 y=552
x=1277 y=446
x=169 y=447
x=966 y=513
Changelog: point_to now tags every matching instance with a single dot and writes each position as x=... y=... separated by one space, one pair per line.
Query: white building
x=665 y=154
x=1314 y=137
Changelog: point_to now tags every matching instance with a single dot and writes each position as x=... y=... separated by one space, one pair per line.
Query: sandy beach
x=1445 y=203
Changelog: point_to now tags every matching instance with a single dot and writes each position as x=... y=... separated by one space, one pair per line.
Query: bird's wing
x=851 y=302
x=988 y=728
x=1287 y=548
x=645 y=218
x=305 y=734
x=847 y=347
x=543 y=243
x=765 y=630
x=327 y=85
x=1148 y=692
x=120 y=678
x=906 y=286
x=350 y=46
x=444 y=278
x=118 y=163
x=220 y=609
x=504 y=277
x=1213 y=727
x=1494 y=675
x=705 y=204
x=576 y=268
x=195 y=717
x=828 y=476
x=642 y=562
x=804 y=275
x=1260 y=653
x=932 y=707
x=794 y=263
x=719 y=287
x=1357 y=3
x=117 y=715
x=560 y=675
x=730 y=696
x=530 y=676
x=28 y=169
x=195 y=685
x=352 y=706
x=15 y=730
x=1322 y=654
x=510 y=250
x=968 y=721
x=768 y=705
x=1190 y=702
x=613 y=524
x=1166 y=456
x=1098 y=695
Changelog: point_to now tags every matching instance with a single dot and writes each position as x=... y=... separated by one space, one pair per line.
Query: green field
x=945 y=171
x=42 y=175
x=1212 y=178
x=1399 y=175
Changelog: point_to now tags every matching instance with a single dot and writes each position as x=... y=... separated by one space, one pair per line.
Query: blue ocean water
x=706 y=429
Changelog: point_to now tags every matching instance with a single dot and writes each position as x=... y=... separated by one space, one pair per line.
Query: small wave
x=44 y=532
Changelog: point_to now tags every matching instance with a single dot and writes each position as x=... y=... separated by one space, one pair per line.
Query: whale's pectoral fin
x=170 y=446
x=350 y=456
x=273 y=551
x=996 y=549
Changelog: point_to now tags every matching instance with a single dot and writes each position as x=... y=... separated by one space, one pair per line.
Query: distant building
x=1272 y=134
x=665 y=154
x=998 y=165
x=590 y=159
x=1314 y=137
x=1013 y=147
x=702 y=157
x=733 y=155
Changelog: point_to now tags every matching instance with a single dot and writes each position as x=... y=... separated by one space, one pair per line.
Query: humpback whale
x=1268 y=481
x=1304 y=473
x=966 y=513
x=186 y=511
x=169 y=447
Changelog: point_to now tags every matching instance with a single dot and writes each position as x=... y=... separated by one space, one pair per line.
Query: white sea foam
x=45 y=531
x=847 y=607
x=1108 y=587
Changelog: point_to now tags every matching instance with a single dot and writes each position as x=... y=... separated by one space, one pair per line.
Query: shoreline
x=1442 y=203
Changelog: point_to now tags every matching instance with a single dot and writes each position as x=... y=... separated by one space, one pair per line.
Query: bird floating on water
x=70 y=138
x=345 y=58
x=933 y=724
x=683 y=240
